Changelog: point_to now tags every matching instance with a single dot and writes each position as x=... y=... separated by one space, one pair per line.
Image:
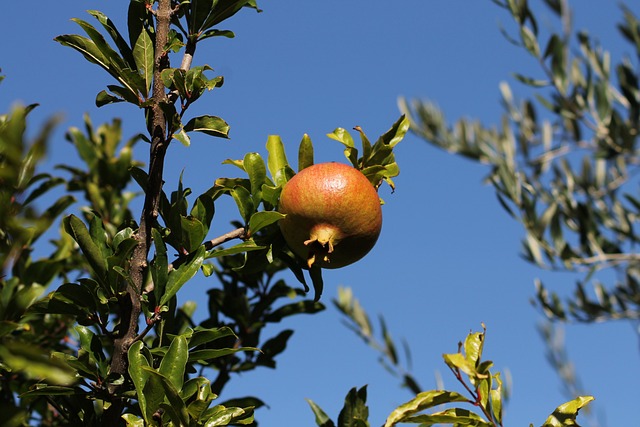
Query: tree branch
x=238 y=233
x=130 y=301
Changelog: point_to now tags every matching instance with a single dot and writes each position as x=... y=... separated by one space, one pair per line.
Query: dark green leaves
x=354 y=413
x=132 y=68
x=183 y=402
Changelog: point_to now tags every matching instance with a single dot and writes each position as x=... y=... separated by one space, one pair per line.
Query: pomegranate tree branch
x=238 y=233
x=130 y=301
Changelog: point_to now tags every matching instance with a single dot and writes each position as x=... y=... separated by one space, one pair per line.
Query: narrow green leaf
x=177 y=278
x=204 y=336
x=133 y=420
x=27 y=168
x=198 y=13
x=355 y=412
x=299 y=307
x=210 y=354
x=565 y=414
x=453 y=416
x=139 y=376
x=193 y=232
x=222 y=416
x=49 y=390
x=322 y=419
x=262 y=219
x=257 y=171
x=424 y=400
x=245 y=204
x=277 y=159
x=473 y=346
x=350 y=150
x=247 y=246
x=396 y=132
x=35 y=363
x=305 y=153
x=143 y=53
x=174 y=363
x=530 y=41
x=76 y=229
x=159 y=265
x=103 y=98
x=223 y=10
x=210 y=125
x=172 y=395
x=117 y=38
x=318 y=284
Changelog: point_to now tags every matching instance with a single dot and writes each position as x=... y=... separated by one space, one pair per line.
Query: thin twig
x=238 y=233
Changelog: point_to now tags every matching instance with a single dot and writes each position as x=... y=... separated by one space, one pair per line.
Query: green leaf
x=322 y=419
x=210 y=125
x=27 y=168
x=172 y=395
x=223 y=10
x=120 y=42
x=133 y=420
x=159 y=265
x=49 y=390
x=299 y=307
x=177 y=278
x=454 y=416
x=355 y=412
x=204 y=336
x=139 y=376
x=424 y=400
x=277 y=159
x=262 y=219
x=144 y=55
x=531 y=81
x=530 y=41
x=565 y=414
x=193 y=232
x=396 y=133
x=272 y=347
x=92 y=252
x=249 y=245
x=103 y=98
x=316 y=279
x=210 y=354
x=257 y=171
x=245 y=204
x=35 y=363
x=350 y=150
x=174 y=362
x=305 y=153
x=473 y=346
x=222 y=416
x=217 y=33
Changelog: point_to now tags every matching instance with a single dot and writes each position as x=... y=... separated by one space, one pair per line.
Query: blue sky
x=447 y=259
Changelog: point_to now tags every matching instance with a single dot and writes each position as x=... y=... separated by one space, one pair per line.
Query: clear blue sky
x=447 y=259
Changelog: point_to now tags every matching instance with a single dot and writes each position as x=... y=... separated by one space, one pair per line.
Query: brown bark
x=130 y=301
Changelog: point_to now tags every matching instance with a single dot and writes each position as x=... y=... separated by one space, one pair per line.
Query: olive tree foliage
x=564 y=161
x=92 y=331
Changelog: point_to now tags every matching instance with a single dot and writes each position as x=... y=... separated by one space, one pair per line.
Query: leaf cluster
x=563 y=161
x=482 y=398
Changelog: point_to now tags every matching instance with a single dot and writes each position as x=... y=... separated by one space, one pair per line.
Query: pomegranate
x=333 y=215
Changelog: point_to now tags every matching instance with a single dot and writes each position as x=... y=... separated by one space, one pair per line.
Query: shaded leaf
x=210 y=125
x=177 y=278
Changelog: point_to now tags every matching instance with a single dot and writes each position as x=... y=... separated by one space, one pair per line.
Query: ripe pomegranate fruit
x=333 y=215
